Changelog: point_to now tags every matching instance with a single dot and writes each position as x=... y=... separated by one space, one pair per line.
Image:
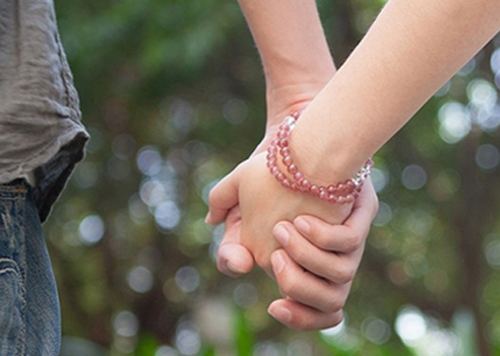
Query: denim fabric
x=29 y=305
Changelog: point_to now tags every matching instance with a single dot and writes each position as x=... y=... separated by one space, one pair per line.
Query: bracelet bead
x=340 y=193
x=292 y=169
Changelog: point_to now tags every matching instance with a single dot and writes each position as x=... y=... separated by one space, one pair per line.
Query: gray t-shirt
x=40 y=128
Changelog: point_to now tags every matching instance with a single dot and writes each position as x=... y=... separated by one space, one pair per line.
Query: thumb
x=222 y=198
x=233 y=259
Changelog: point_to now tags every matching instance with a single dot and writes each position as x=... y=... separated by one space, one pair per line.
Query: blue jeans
x=29 y=305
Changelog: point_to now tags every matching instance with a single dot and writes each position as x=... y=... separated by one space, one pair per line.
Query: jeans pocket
x=12 y=302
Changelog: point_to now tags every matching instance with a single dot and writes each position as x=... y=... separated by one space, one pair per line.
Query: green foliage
x=244 y=338
x=173 y=95
x=146 y=345
x=209 y=351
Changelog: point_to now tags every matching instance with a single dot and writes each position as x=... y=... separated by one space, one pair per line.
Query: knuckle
x=323 y=241
x=212 y=196
x=311 y=323
x=305 y=322
x=298 y=325
x=353 y=242
x=337 y=320
x=299 y=255
x=334 y=301
x=287 y=284
x=336 y=304
x=303 y=326
x=345 y=275
x=328 y=306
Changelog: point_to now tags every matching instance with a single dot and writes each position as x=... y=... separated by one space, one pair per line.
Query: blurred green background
x=173 y=95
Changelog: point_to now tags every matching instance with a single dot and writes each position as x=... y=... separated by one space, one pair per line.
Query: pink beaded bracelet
x=340 y=193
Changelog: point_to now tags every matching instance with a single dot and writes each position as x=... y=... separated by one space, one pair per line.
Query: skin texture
x=294 y=52
x=411 y=50
x=324 y=242
x=314 y=294
x=263 y=203
x=322 y=283
x=293 y=79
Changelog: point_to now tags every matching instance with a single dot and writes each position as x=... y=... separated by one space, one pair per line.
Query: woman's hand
x=233 y=259
x=317 y=263
x=263 y=202
x=317 y=260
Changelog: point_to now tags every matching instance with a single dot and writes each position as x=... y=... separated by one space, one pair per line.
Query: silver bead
x=290 y=121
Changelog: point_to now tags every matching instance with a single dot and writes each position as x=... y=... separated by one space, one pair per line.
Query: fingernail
x=302 y=225
x=230 y=266
x=281 y=235
x=207 y=218
x=278 y=262
x=281 y=313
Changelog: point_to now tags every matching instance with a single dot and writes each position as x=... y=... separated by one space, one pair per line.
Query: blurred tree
x=173 y=95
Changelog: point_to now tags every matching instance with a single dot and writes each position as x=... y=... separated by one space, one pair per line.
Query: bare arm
x=295 y=55
x=297 y=65
x=410 y=51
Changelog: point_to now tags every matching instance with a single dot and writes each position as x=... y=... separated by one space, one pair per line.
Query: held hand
x=263 y=202
x=317 y=263
x=233 y=259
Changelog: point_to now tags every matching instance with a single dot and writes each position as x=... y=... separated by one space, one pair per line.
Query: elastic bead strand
x=340 y=193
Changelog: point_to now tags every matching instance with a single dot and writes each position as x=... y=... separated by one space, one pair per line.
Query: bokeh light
x=167 y=215
x=376 y=330
x=413 y=177
x=91 y=229
x=187 y=339
x=166 y=351
x=149 y=160
x=187 y=279
x=487 y=156
x=410 y=325
x=135 y=261
x=245 y=295
x=455 y=122
x=140 y=279
x=379 y=179
x=126 y=324
x=384 y=214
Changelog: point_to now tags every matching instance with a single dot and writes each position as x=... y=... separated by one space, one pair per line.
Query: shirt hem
x=52 y=167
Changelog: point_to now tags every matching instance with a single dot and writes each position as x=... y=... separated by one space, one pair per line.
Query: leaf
x=147 y=345
x=243 y=337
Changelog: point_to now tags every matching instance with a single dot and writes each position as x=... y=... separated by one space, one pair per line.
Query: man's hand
x=263 y=202
x=233 y=259
x=317 y=264
x=315 y=267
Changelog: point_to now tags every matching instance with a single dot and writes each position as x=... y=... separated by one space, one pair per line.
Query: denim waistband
x=14 y=189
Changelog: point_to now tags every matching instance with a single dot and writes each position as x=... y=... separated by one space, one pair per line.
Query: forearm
x=295 y=55
x=411 y=50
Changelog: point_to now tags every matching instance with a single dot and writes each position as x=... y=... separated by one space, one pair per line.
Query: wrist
x=285 y=99
x=282 y=166
x=325 y=155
